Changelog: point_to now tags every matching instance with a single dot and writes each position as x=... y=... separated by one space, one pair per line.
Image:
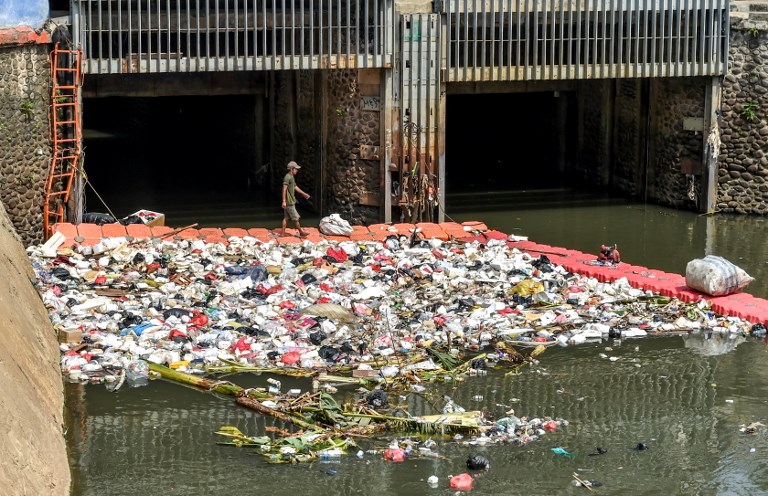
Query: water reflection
x=686 y=407
x=712 y=344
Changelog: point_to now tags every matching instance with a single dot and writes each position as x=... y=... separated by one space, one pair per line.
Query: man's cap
x=293 y=165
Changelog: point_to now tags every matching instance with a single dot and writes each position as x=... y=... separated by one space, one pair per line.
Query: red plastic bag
x=462 y=482
x=291 y=357
x=550 y=425
x=337 y=253
x=198 y=319
x=394 y=455
x=242 y=344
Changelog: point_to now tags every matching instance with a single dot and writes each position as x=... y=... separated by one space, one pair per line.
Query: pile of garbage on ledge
x=387 y=316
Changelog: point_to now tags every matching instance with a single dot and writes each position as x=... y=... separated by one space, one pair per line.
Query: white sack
x=334 y=225
x=715 y=276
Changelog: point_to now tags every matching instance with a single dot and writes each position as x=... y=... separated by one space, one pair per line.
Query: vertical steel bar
x=622 y=21
x=700 y=37
x=283 y=33
x=304 y=62
x=604 y=61
x=339 y=33
x=179 y=36
x=562 y=72
x=294 y=64
x=348 y=21
x=312 y=32
x=358 y=34
x=509 y=24
x=483 y=41
x=168 y=34
x=222 y=30
x=120 y=34
x=236 y=37
x=569 y=43
x=544 y=45
x=613 y=39
x=140 y=38
x=217 y=53
x=329 y=49
x=686 y=62
x=475 y=48
x=663 y=40
x=553 y=15
x=97 y=36
x=110 y=34
x=370 y=28
x=726 y=35
x=579 y=40
x=247 y=28
x=535 y=69
x=636 y=37
x=208 y=35
x=710 y=37
x=528 y=34
x=495 y=31
x=669 y=37
x=587 y=67
x=273 y=50
x=465 y=40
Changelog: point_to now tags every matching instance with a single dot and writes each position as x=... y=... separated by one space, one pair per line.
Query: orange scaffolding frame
x=66 y=133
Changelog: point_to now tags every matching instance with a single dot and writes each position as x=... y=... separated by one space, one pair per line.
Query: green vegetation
x=749 y=111
x=27 y=106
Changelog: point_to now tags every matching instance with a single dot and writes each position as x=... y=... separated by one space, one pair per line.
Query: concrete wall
x=32 y=446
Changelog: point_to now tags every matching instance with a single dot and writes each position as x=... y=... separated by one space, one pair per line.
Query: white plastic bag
x=334 y=225
x=715 y=276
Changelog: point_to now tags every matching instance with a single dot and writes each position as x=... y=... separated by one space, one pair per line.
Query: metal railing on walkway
x=143 y=36
x=528 y=40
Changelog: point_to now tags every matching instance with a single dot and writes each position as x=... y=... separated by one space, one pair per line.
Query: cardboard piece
x=150 y=218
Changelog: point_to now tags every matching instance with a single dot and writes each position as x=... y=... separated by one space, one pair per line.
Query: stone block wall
x=25 y=149
x=676 y=151
x=743 y=165
x=349 y=177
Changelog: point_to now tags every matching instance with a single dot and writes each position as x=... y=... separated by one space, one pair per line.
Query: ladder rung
x=62 y=123
x=65 y=104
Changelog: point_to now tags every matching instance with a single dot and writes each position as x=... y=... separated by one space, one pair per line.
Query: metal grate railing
x=143 y=36
x=517 y=40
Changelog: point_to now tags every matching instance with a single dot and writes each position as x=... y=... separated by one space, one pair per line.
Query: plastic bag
x=715 y=276
x=334 y=225
x=137 y=373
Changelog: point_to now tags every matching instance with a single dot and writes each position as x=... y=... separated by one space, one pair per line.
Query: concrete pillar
x=711 y=146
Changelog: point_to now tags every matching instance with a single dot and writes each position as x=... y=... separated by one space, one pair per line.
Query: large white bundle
x=334 y=225
x=715 y=276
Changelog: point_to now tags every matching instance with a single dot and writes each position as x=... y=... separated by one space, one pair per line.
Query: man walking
x=289 y=198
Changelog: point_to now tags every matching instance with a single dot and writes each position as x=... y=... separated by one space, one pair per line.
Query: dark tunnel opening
x=510 y=141
x=181 y=155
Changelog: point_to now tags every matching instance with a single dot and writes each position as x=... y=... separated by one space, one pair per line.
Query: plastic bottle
x=328 y=454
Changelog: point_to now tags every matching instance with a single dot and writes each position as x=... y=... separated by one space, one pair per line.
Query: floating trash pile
x=390 y=317
x=191 y=305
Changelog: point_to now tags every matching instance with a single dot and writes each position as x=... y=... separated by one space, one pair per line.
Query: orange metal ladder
x=66 y=133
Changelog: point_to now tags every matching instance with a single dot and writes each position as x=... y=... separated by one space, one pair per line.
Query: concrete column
x=711 y=146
